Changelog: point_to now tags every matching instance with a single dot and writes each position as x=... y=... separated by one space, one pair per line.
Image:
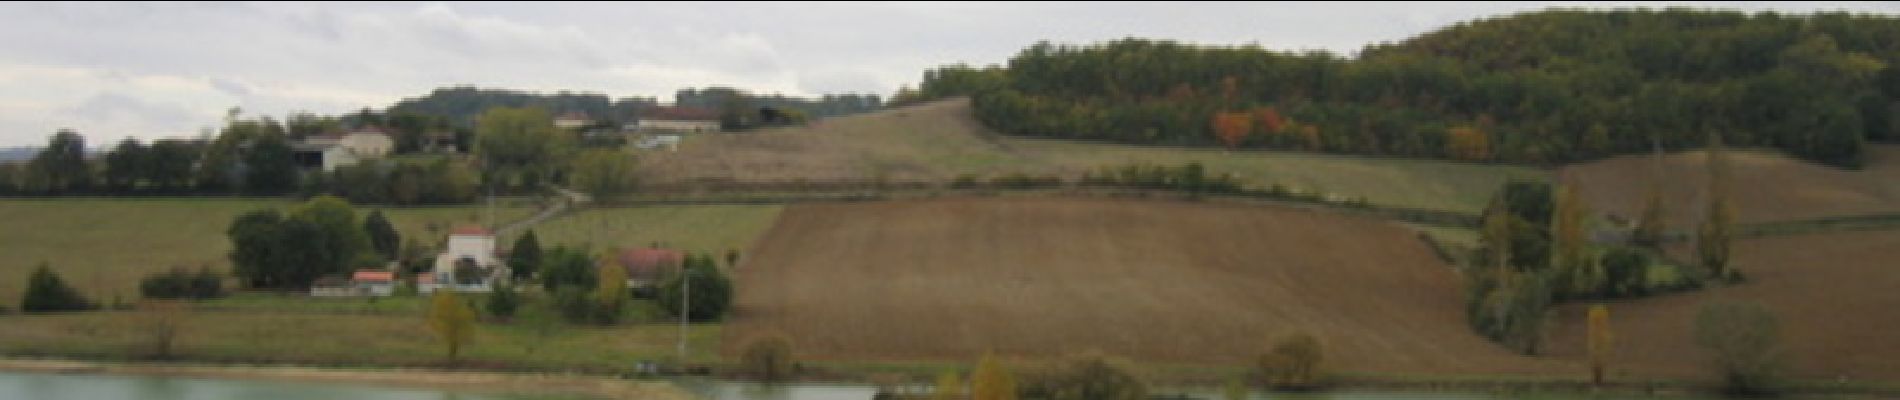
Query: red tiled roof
x=373 y=276
x=648 y=263
x=470 y=230
x=681 y=114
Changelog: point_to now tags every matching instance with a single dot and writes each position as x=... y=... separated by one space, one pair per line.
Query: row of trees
x=1550 y=86
x=1536 y=251
x=290 y=250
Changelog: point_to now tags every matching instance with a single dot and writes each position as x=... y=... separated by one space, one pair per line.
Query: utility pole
x=686 y=299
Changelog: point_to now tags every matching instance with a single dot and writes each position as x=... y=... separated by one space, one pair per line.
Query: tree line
x=1542 y=87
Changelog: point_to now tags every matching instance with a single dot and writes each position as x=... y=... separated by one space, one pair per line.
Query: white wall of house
x=480 y=248
x=368 y=145
x=679 y=125
x=338 y=156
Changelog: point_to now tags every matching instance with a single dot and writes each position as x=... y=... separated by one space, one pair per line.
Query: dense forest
x=460 y=105
x=1542 y=87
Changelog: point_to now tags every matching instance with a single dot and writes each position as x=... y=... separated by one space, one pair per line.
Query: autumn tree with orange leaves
x=1232 y=127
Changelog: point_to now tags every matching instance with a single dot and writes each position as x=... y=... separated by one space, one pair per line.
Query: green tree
x=382 y=236
x=1714 y=235
x=1744 y=342
x=1577 y=276
x=452 y=321
x=565 y=266
x=710 y=290
x=522 y=141
x=61 y=167
x=344 y=240
x=503 y=301
x=126 y=165
x=269 y=167
x=46 y=292
x=603 y=173
x=1087 y=377
x=256 y=248
x=168 y=164
x=610 y=294
x=524 y=258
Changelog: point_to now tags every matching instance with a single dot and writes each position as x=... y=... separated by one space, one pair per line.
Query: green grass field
x=389 y=331
x=103 y=246
x=1395 y=182
x=710 y=228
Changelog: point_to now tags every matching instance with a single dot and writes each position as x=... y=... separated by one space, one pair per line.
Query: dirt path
x=565 y=201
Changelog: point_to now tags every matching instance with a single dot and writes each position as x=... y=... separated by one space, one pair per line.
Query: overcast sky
x=113 y=70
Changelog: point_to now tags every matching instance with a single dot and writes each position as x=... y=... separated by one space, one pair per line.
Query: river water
x=42 y=386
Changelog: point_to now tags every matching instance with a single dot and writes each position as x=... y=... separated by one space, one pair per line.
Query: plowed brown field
x=1767 y=186
x=1162 y=281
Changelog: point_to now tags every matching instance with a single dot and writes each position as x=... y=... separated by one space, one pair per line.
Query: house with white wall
x=468 y=263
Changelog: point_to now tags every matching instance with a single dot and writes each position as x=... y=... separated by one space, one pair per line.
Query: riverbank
x=497 y=382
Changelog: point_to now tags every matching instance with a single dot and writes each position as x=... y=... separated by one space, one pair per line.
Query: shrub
x=178 y=284
x=1086 y=377
x=768 y=358
x=503 y=302
x=46 y=292
x=1293 y=363
x=1745 y=342
x=574 y=304
x=964 y=181
x=1023 y=181
x=1625 y=271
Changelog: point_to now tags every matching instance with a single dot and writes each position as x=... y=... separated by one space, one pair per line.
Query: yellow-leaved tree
x=949 y=387
x=452 y=320
x=1601 y=342
x=991 y=382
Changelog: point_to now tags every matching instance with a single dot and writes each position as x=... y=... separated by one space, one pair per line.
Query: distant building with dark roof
x=679 y=120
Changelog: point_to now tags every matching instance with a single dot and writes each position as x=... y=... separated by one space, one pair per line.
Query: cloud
x=160 y=69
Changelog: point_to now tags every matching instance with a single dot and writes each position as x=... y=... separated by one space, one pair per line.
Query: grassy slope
x=713 y=228
x=936 y=141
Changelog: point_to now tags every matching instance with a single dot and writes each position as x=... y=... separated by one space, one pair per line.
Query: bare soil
x=1151 y=280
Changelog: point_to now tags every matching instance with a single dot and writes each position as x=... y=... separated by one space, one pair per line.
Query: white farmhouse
x=332 y=150
x=467 y=263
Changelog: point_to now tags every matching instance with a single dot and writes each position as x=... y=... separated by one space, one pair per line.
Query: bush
x=503 y=302
x=964 y=181
x=1293 y=363
x=178 y=284
x=574 y=304
x=1022 y=181
x=711 y=291
x=1625 y=269
x=1086 y=377
x=46 y=292
x=1745 y=342
x=768 y=358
